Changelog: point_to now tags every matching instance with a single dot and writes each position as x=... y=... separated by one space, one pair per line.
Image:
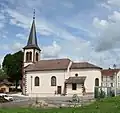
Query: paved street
x=20 y=100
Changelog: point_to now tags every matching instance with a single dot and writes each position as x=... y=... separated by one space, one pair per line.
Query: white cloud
x=74 y=47
x=1 y=60
x=4 y=47
x=51 y=51
x=114 y=2
x=2 y=20
x=101 y=24
x=68 y=4
x=105 y=5
x=17 y=46
x=115 y=17
x=109 y=38
x=21 y=36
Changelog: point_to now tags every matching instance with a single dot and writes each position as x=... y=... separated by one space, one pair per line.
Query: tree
x=13 y=64
x=3 y=74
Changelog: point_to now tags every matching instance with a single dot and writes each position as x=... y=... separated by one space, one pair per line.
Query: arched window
x=30 y=57
x=27 y=55
x=53 y=81
x=36 y=56
x=37 y=81
x=96 y=82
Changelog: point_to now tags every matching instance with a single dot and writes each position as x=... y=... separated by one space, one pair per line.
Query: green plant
x=96 y=92
x=102 y=93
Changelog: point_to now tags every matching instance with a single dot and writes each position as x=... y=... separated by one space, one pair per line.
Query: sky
x=82 y=30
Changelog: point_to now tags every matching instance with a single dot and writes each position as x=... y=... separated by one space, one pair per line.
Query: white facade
x=45 y=88
x=91 y=75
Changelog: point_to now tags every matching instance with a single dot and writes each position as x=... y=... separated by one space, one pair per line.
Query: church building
x=56 y=77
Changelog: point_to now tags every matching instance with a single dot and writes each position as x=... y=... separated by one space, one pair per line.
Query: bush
x=99 y=94
x=96 y=93
x=112 y=94
x=102 y=94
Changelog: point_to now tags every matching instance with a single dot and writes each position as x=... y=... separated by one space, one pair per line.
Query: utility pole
x=115 y=83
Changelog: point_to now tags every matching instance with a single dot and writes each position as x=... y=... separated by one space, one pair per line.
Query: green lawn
x=109 y=105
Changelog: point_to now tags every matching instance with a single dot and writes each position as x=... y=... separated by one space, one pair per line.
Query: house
x=5 y=86
x=110 y=77
x=56 y=77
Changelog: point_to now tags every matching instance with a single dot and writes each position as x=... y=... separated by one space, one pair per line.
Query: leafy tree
x=13 y=64
x=3 y=74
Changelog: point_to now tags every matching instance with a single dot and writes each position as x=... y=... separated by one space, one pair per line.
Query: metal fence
x=101 y=92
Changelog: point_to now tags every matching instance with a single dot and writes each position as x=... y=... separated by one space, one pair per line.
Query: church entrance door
x=59 y=90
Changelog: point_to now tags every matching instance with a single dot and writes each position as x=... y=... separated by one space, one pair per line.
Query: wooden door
x=59 y=90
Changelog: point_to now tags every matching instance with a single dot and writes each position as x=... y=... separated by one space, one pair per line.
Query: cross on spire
x=34 y=15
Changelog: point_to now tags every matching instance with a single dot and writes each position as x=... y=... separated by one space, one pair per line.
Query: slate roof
x=109 y=72
x=53 y=64
x=84 y=65
x=32 y=41
x=58 y=64
x=77 y=80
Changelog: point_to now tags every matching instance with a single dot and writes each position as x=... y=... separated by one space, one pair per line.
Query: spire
x=32 y=40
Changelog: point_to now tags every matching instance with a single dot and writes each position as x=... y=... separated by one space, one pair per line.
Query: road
x=19 y=100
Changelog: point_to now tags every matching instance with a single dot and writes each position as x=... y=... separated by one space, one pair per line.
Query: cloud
x=105 y=5
x=101 y=24
x=17 y=46
x=2 y=20
x=21 y=36
x=110 y=36
x=51 y=51
x=1 y=60
x=69 y=24
x=114 y=2
x=68 y=4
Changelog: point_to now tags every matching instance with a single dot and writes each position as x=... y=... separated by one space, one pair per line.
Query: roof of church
x=83 y=65
x=58 y=64
x=32 y=40
x=53 y=64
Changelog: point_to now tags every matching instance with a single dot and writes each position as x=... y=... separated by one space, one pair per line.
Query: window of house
x=36 y=56
x=76 y=74
x=111 y=77
x=96 y=82
x=37 y=81
x=118 y=84
x=74 y=86
x=111 y=84
x=53 y=81
x=102 y=78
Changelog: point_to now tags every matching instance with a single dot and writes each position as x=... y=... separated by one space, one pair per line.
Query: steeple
x=32 y=40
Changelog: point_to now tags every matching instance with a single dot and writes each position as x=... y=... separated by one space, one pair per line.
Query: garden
x=107 y=105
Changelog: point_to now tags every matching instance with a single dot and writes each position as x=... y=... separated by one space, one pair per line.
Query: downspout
x=68 y=69
x=68 y=75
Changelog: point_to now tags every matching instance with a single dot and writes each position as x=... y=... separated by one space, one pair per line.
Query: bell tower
x=31 y=53
x=32 y=50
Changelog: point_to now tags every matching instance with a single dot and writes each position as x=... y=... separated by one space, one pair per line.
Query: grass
x=108 y=105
